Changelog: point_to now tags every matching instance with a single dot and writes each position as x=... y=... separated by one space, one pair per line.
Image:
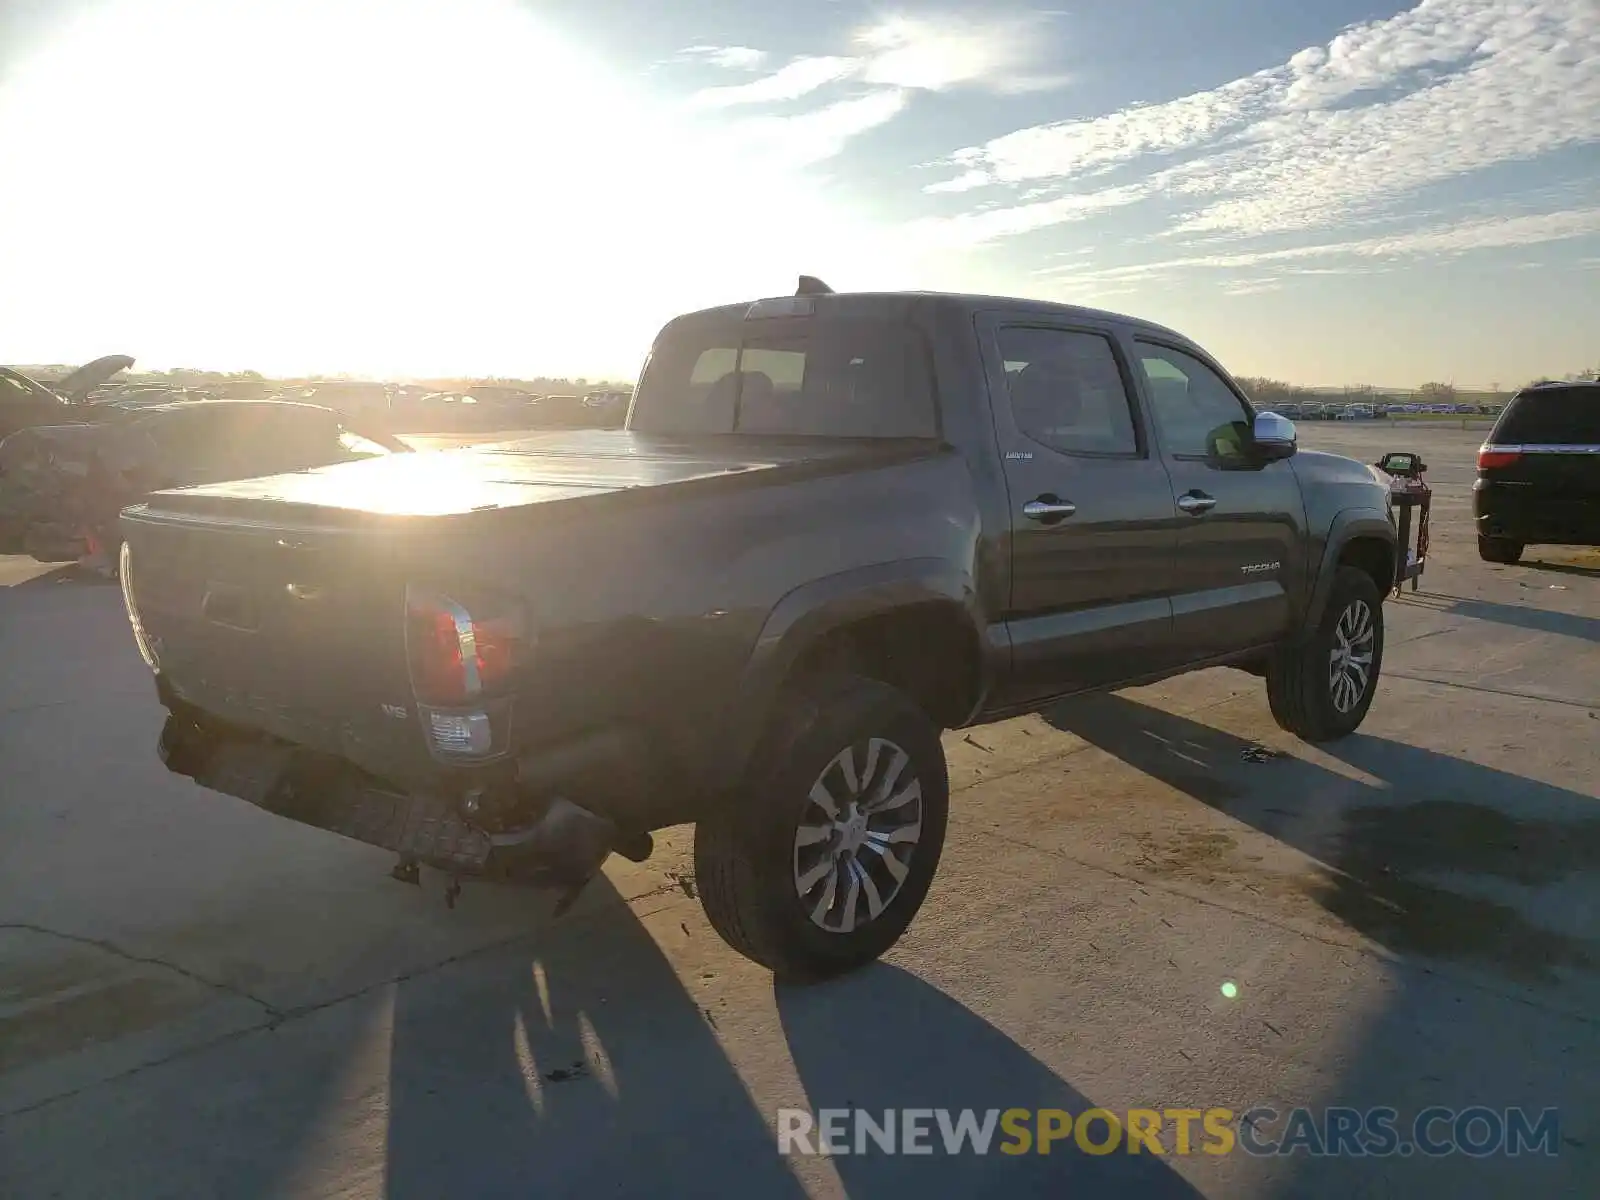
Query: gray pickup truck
x=833 y=526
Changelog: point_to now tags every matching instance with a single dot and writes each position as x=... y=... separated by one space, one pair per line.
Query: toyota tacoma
x=833 y=526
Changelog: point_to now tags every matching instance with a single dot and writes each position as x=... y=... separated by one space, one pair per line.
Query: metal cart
x=1410 y=493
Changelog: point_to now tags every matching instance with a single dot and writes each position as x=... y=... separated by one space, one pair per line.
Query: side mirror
x=1273 y=437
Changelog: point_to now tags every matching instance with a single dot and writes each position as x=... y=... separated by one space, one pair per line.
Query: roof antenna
x=810 y=285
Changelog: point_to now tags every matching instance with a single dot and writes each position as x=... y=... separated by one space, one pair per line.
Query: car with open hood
x=62 y=486
x=26 y=401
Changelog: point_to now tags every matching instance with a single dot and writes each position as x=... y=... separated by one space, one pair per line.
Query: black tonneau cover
x=550 y=466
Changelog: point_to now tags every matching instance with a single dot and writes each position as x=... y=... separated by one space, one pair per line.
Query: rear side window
x=1557 y=416
x=1066 y=390
x=812 y=378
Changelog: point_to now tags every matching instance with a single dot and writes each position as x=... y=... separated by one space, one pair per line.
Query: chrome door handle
x=1196 y=503
x=1045 y=510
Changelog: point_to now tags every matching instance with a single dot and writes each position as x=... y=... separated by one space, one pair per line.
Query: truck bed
x=278 y=604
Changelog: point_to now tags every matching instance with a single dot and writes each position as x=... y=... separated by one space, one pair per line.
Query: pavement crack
x=117 y=951
x=1390 y=645
x=1514 y=693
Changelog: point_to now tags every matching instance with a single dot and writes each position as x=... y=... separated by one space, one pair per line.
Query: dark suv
x=1539 y=472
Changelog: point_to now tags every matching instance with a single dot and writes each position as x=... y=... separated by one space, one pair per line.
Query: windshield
x=801 y=378
x=1553 y=416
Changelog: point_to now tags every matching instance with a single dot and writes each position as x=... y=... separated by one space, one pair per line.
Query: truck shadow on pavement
x=586 y=1069
x=1536 y=620
x=1441 y=860
x=589 y=1069
x=883 y=1039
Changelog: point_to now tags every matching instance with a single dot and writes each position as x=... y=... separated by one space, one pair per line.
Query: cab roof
x=903 y=304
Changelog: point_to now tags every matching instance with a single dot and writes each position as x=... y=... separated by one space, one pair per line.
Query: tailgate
x=298 y=632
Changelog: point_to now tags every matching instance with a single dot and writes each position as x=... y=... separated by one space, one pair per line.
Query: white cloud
x=936 y=54
x=790 y=82
x=966 y=182
x=1325 y=137
x=987 y=225
x=1528 y=229
x=1251 y=287
x=1072 y=148
x=812 y=137
x=730 y=58
x=919 y=54
x=892 y=59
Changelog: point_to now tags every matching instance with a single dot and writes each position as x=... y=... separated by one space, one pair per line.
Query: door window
x=1066 y=391
x=1196 y=413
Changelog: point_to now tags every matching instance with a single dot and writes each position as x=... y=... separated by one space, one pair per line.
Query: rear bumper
x=516 y=824
x=1525 y=514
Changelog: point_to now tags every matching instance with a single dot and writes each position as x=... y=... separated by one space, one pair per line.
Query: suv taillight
x=461 y=654
x=130 y=603
x=1490 y=457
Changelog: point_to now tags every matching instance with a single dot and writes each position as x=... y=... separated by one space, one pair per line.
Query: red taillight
x=460 y=654
x=1490 y=457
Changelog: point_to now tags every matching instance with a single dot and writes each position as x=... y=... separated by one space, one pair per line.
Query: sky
x=1322 y=191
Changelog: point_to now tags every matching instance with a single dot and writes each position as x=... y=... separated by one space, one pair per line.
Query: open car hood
x=77 y=385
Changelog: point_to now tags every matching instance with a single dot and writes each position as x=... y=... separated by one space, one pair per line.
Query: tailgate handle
x=225 y=604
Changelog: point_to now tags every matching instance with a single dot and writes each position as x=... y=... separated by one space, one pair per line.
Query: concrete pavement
x=199 y=999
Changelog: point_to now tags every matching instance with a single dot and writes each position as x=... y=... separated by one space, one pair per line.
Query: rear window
x=802 y=378
x=1557 y=416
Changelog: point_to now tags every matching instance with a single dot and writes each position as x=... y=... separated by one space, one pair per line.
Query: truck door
x=1240 y=559
x=1091 y=524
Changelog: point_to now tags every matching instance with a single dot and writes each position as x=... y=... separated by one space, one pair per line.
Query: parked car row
x=480 y=407
x=1312 y=410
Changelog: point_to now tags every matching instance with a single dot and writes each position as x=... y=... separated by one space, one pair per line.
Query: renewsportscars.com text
x=1475 y=1131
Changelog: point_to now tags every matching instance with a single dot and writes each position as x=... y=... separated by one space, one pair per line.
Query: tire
x=753 y=869
x=1499 y=550
x=1306 y=696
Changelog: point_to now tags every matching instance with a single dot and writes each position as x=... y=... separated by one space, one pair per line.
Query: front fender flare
x=1348 y=525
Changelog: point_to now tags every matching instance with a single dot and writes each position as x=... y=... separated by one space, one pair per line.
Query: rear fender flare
x=813 y=610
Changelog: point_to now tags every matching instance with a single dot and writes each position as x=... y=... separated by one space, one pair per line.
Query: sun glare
x=396 y=188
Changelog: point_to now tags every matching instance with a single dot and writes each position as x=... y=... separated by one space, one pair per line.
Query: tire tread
x=729 y=877
x=1296 y=693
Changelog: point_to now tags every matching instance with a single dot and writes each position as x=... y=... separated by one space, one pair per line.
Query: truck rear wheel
x=822 y=861
x=1321 y=688
x=1499 y=550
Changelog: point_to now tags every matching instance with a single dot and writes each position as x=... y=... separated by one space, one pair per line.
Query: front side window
x=1196 y=413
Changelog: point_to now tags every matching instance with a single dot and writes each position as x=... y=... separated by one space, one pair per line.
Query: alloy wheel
x=860 y=827
x=1350 y=660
